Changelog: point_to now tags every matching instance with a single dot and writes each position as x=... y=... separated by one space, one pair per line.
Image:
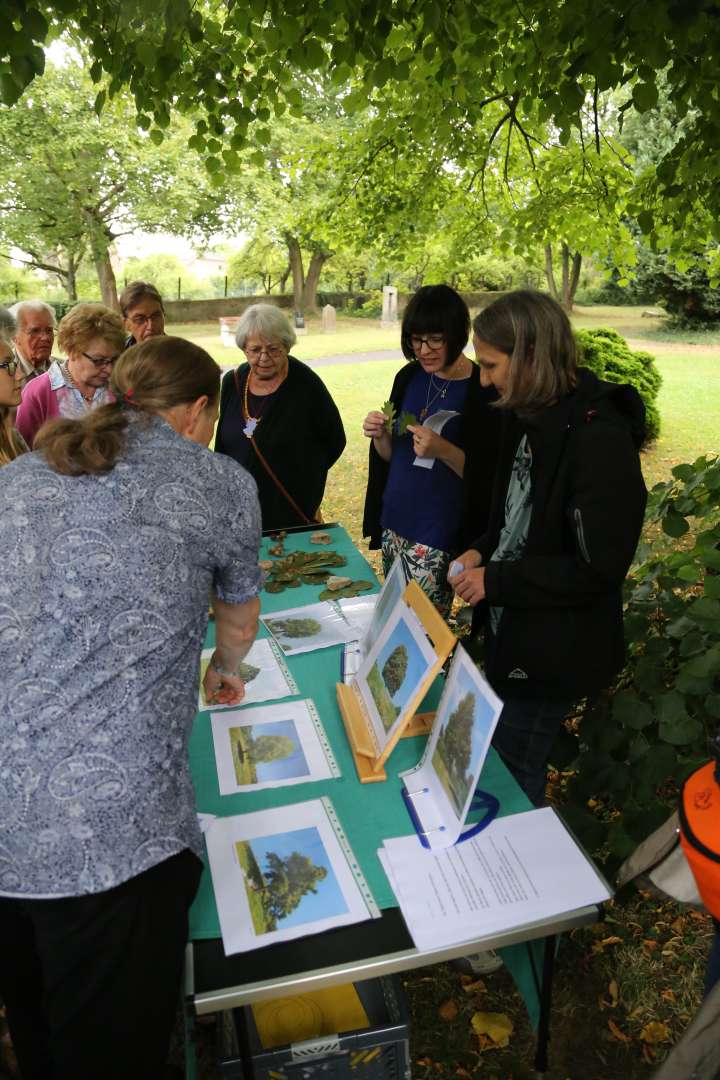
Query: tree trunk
x=551 y=284
x=574 y=279
x=71 y=277
x=284 y=278
x=296 y=268
x=106 y=278
x=318 y=260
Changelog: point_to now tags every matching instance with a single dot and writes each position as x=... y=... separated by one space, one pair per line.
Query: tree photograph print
x=394 y=677
x=289 y=880
x=263 y=752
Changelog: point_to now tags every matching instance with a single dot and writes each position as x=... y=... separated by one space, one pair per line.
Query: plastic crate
x=378 y=1052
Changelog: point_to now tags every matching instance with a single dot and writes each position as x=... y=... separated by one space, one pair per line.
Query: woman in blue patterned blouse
x=116 y=536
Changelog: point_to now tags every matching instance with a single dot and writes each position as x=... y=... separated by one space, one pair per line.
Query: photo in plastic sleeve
x=394 y=670
x=304 y=629
x=265 y=675
x=274 y=883
x=464 y=725
x=393 y=588
x=269 y=747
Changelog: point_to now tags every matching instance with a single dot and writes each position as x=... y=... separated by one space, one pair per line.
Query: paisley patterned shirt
x=104 y=588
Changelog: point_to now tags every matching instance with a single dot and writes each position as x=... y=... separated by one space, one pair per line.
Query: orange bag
x=699 y=813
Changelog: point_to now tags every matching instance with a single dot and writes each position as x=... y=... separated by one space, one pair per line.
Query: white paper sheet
x=386 y=697
x=255 y=862
x=271 y=746
x=442 y=785
x=521 y=869
x=436 y=423
x=304 y=629
x=272 y=681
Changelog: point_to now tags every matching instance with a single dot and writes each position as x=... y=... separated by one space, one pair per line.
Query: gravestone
x=389 y=310
x=299 y=321
x=329 y=319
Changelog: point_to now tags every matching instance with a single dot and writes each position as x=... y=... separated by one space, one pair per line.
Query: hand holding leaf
x=388 y=410
x=404 y=421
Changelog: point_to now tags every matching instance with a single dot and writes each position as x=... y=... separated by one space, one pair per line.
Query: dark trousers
x=91 y=983
x=523 y=738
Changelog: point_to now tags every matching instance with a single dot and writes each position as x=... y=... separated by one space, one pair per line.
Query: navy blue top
x=426 y=505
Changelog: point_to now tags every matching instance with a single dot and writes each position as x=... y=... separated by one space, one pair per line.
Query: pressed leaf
x=497 y=1026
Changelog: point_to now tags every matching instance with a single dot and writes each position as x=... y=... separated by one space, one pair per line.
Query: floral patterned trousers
x=426 y=565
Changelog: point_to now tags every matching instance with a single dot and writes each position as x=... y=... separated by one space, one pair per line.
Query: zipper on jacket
x=581 y=535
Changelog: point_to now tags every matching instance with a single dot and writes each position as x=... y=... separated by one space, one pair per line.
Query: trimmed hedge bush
x=607 y=354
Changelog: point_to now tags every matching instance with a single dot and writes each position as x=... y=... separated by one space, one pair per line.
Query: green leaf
x=657 y=765
x=404 y=421
x=157 y=136
x=645 y=96
x=630 y=711
x=677 y=727
x=388 y=410
x=711 y=587
x=674 y=524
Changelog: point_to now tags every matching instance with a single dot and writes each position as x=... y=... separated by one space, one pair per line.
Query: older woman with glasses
x=93 y=337
x=278 y=419
x=432 y=465
x=142 y=311
x=11 y=380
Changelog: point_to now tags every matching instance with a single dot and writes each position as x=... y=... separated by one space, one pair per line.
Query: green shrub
x=372 y=307
x=607 y=354
x=638 y=743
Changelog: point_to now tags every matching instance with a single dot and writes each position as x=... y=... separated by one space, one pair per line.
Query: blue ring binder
x=481 y=800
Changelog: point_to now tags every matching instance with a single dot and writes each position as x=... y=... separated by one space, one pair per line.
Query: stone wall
x=183 y=311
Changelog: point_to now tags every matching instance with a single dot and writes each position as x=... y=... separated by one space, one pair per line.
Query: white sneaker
x=479 y=963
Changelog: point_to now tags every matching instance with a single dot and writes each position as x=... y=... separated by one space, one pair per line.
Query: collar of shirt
x=28 y=369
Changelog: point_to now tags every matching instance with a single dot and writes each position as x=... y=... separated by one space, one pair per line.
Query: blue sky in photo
x=402 y=635
x=295 y=765
x=329 y=899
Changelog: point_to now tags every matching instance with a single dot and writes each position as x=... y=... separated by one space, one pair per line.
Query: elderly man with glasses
x=33 y=337
x=142 y=311
x=92 y=337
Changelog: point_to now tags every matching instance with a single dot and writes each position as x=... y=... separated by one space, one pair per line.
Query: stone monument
x=389 y=309
x=329 y=319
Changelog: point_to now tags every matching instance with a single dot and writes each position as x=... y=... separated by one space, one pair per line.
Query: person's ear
x=195 y=411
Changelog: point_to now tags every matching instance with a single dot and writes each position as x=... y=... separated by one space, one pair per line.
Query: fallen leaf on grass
x=617 y=1033
x=613 y=992
x=463 y=1073
x=497 y=1026
x=655 y=1032
x=649 y=1054
x=650 y=945
x=448 y=1010
x=475 y=986
x=668 y=995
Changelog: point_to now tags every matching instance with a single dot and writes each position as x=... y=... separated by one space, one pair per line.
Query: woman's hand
x=374 y=427
x=469 y=584
x=225 y=689
x=426 y=443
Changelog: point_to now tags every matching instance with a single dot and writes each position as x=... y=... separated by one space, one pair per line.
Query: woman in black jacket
x=567 y=510
x=431 y=468
x=278 y=420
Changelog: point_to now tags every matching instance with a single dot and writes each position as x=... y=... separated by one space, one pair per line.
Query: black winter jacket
x=561 y=633
x=479 y=438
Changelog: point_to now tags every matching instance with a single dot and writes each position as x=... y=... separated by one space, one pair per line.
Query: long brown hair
x=534 y=331
x=150 y=378
x=11 y=445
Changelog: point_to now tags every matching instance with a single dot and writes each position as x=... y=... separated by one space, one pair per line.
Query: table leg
x=543 y=1033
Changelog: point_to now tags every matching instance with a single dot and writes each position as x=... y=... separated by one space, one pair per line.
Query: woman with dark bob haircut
x=431 y=467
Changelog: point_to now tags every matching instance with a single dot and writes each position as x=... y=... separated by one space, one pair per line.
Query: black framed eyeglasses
x=432 y=341
x=101 y=361
x=10 y=365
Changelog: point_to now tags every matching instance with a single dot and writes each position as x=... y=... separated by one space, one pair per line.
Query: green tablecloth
x=369 y=813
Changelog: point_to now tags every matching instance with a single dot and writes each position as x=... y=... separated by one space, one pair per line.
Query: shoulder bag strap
x=266 y=466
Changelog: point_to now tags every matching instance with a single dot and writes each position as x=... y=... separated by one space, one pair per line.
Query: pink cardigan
x=39 y=403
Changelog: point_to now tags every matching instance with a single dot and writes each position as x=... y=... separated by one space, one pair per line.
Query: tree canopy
x=541 y=63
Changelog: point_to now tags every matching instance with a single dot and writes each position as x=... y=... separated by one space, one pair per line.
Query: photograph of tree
x=264 y=752
x=263 y=671
x=462 y=740
x=396 y=673
x=289 y=880
x=315 y=626
x=391 y=592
